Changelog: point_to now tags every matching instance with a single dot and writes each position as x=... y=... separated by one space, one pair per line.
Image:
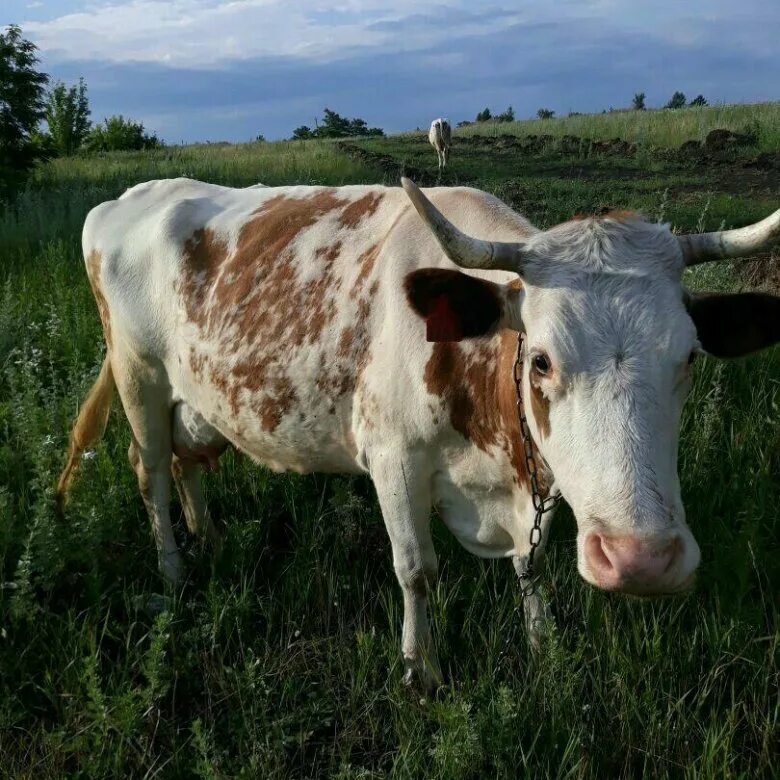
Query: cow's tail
x=88 y=428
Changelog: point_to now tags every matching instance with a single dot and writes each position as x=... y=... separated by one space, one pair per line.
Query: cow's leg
x=403 y=488
x=186 y=475
x=144 y=392
x=445 y=156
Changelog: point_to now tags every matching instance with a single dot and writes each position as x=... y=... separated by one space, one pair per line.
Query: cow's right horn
x=740 y=242
x=463 y=250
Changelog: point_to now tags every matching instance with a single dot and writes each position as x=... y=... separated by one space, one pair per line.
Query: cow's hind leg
x=186 y=476
x=403 y=488
x=145 y=393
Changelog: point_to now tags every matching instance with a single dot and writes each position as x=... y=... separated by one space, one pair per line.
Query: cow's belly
x=314 y=435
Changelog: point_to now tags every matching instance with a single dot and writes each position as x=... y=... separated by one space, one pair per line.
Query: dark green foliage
x=699 y=100
x=638 y=103
x=334 y=125
x=484 y=116
x=21 y=106
x=545 y=113
x=677 y=101
x=118 y=134
x=67 y=115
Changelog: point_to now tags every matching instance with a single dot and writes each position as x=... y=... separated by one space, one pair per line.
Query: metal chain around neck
x=542 y=504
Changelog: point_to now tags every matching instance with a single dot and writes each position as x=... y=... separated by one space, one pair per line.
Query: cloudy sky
x=206 y=70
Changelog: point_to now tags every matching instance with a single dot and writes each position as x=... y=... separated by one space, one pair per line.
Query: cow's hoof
x=422 y=676
x=172 y=568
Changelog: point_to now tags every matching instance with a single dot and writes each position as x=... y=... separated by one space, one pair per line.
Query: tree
x=699 y=100
x=639 y=101
x=67 y=115
x=484 y=116
x=302 y=133
x=506 y=116
x=545 y=113
x=21 y=105
x=118 y=134
x=336 y=126
x=677 y=101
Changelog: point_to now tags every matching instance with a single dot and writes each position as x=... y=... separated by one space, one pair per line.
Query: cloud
x=196 y=69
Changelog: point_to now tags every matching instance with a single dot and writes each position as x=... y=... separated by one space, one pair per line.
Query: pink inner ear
x=442 y=323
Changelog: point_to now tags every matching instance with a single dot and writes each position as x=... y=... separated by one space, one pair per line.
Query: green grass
x=282 y=659
x=660 y=128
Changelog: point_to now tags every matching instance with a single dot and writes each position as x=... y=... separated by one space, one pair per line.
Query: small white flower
x=89 y=455
x=48 y=440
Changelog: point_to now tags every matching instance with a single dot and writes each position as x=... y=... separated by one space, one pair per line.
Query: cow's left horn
x=463 y=250
x=701 y=247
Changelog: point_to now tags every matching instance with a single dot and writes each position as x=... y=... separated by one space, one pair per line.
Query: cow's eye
x=541 y=363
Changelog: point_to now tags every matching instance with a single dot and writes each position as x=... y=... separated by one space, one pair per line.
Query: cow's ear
x=456 y=306
x=734 y=325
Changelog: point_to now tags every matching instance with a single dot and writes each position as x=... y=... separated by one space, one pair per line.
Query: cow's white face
x=608 y=352
x=610 y=336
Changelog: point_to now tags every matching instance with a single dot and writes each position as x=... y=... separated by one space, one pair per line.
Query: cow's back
x=278 y=313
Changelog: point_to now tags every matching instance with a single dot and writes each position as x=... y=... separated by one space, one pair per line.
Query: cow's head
x=610 y=336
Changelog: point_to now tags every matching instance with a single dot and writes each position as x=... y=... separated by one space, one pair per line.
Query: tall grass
x=281 y=659
x=660 y=128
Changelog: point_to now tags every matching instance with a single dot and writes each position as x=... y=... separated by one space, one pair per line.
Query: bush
x=336 y=126
x=506 y=116
x=638 y=104
x=545 y=113
x=484 y=116
x=699 y=100
x=118 y=134
x=677 y=101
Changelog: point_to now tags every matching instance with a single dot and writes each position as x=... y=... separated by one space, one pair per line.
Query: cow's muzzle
x=642 y=566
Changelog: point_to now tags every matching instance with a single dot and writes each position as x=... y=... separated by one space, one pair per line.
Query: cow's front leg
x=403 y=488
x=539 y=621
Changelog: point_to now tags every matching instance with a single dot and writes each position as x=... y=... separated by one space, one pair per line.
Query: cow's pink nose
x=635 y=565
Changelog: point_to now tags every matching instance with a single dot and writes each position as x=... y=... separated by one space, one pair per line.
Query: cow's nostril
x=596 y=553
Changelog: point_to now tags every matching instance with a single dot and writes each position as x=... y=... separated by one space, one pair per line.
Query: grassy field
x=282 y=659
x=661 y=128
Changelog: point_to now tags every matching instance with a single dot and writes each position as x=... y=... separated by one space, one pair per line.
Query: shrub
x=484 y=116
x=545 y=113
x=336 y=126
x=677 y=101
x=699 y=100
x=118 y=134
x=638 y=103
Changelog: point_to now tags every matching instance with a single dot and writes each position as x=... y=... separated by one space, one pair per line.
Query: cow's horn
x=701 y=247
x=463 y=250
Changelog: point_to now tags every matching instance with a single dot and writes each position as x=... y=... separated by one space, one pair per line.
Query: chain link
x=542 y=504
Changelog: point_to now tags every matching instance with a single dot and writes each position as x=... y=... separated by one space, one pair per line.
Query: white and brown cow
x=440 y=137
x=291 y=323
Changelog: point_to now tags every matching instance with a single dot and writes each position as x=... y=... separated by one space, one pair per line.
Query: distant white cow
x=440 y=136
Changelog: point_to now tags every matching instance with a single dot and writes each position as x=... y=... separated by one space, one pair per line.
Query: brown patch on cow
x=360 y=209
x=540 y=408
x=366 y=262
x=92 y=262
x=478 y=391
x=252 y=301
x=276 y=404
x=197 y=362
